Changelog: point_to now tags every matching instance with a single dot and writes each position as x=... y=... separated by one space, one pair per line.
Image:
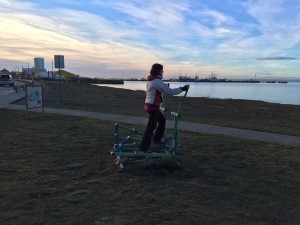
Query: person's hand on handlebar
x=185 y=87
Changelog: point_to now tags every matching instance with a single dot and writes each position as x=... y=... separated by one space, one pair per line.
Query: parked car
x=6 y=80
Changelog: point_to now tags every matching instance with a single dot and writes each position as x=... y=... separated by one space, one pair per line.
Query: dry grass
x=58 y=170
x=254 y=115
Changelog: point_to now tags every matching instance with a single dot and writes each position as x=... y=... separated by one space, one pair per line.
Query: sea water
x=283 y=93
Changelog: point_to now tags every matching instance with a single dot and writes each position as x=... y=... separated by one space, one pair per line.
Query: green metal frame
x=128 y=147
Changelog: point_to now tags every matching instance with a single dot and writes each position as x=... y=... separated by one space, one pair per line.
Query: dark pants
x=155 y=127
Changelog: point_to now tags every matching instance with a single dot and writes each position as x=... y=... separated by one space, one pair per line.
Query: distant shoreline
x=218 y=81
x=281 y=93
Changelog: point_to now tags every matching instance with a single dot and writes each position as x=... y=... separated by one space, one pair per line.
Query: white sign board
x=34 y=96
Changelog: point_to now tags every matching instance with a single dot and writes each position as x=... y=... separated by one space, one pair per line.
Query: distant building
x=63 y=75
x=28 y=71
x=4 y=72
x=45 y=74
x=39 y=64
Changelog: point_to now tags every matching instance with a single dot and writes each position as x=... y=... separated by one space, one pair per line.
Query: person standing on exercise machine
x=156 y=121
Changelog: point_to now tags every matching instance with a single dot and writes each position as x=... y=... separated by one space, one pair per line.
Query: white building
x=39 y=64
x=48 y=74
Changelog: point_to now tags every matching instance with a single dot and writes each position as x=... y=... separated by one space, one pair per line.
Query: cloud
x=277 y=22
x=214 y=17
x=277 y=58
x=167 y=14
x=117 y=37
x=69 y=2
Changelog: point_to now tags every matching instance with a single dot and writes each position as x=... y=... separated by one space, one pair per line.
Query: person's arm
x=163 y=88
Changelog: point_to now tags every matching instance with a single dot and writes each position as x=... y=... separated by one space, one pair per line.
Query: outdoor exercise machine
x=126 y=149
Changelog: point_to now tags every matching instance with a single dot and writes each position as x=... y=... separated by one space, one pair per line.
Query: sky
x=123 y=38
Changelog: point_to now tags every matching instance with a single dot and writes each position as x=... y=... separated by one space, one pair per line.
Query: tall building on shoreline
x=39 y=64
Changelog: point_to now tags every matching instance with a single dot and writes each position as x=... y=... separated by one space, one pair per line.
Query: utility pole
x=59 y=80
x=59 y=63
x=28 y=70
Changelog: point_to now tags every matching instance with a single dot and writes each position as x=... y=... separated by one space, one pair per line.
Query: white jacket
x=154 y=89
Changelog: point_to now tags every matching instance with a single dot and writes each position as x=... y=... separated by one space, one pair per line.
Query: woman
x=156 y=122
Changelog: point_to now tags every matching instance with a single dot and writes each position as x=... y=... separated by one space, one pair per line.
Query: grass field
x=58 y=170
x=253 y=115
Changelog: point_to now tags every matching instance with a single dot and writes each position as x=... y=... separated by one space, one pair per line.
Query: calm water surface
x=269 y=92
